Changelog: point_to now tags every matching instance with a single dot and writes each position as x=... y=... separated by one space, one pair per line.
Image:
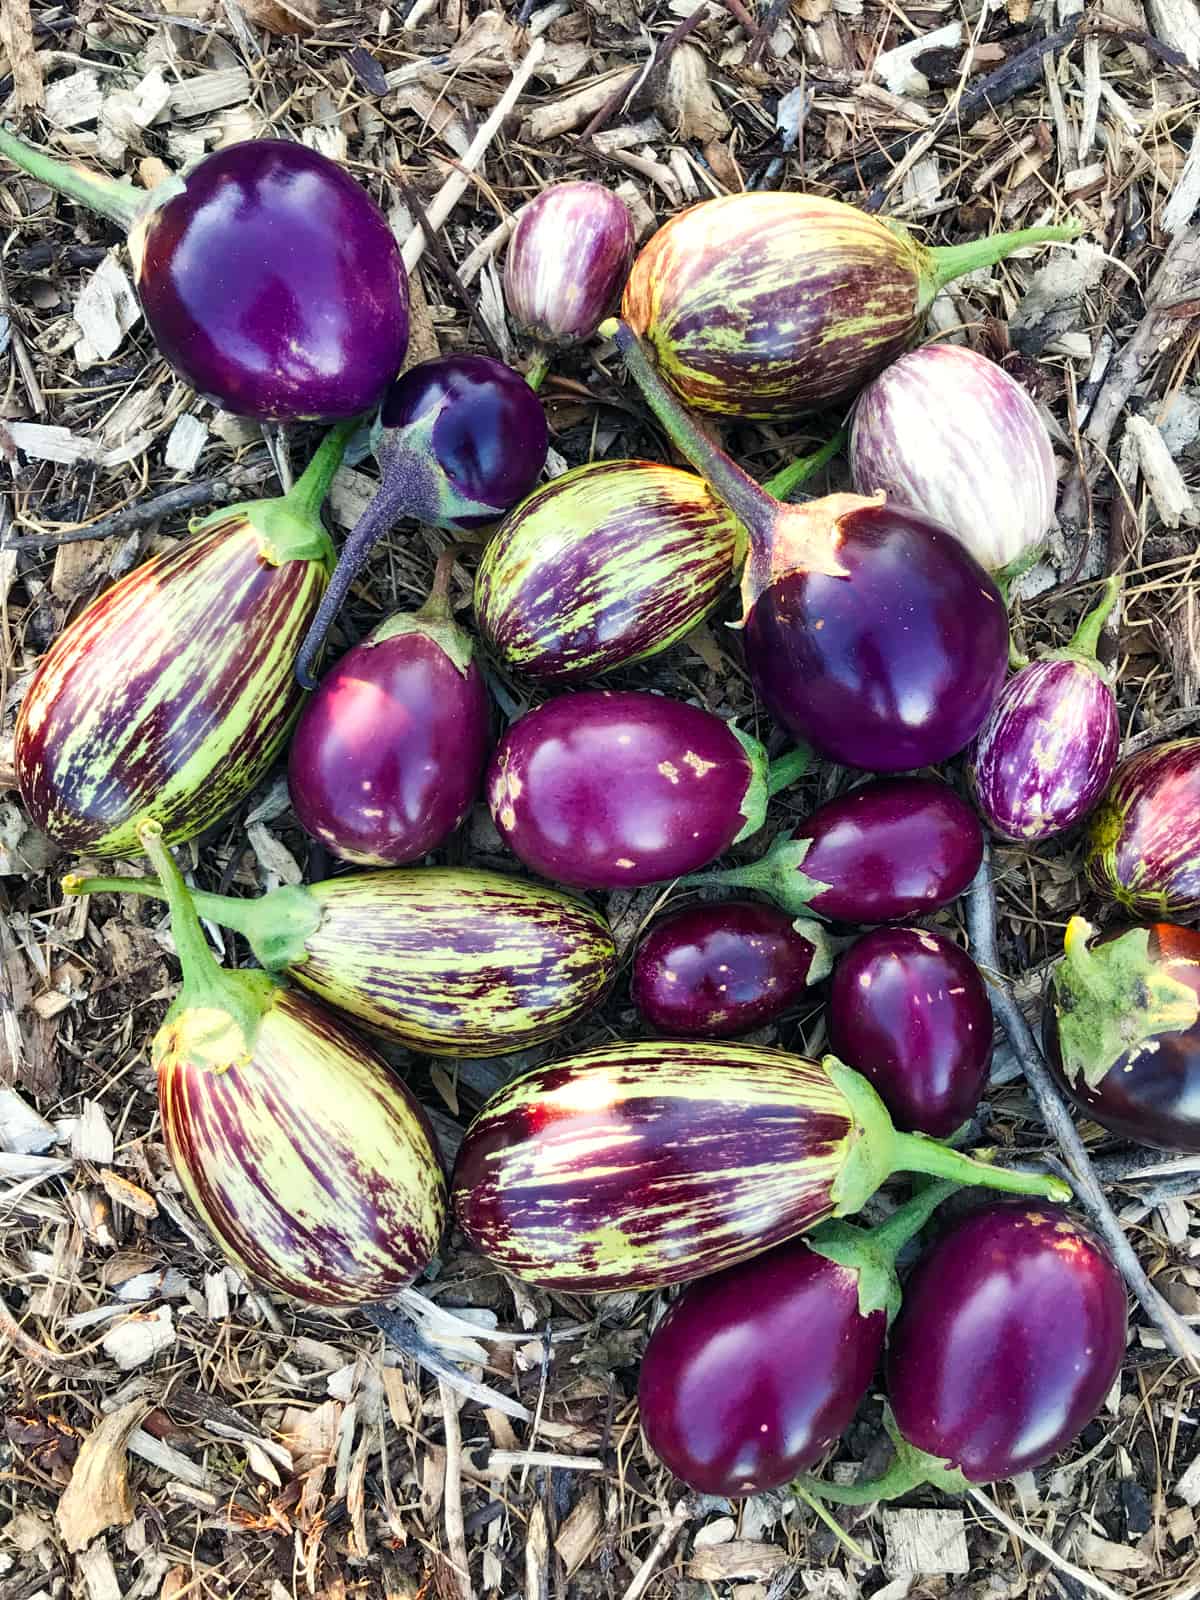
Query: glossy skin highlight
x=567 y=259
x=1144 y=838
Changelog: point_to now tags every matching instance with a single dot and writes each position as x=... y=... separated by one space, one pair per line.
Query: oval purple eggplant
x=1011 y=1334
x=950 y=434
x=1144 y=839
x=909 y=1010
x=568 y=257
x=713 y=971
x=609 y=790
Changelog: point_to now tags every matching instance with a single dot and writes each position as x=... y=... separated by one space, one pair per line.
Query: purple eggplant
x=950 y=434
x=1144 y=838
x=1047 y=751
x=892 y=848
x=608 y=790
x=388 y=755
x=1011 y=1334
x=459 y=440
x=270 y=280
x=909 y=1010
x=868 y=629
x=713 y=971
x=1122 y=1030
x=726 y=1400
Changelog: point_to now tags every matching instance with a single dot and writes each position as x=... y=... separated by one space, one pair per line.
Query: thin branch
x=641 y=75
x=452 y=1509
x=1176 y=722
x=666 y=1538
x=444 y=264
x=188 y=497
x=409 y=1340
x=1060 y=1564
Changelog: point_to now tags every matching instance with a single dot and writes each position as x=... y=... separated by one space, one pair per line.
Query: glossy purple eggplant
x=753 y=1373
x=269 y=278
x=892 y=848
x=1144 y=838
x=1048 y=749
x=868 y=629
x=610 y=790
x=713 y=971
x=1122 y=1030
x=909 y=1010
x=459 y=440
x=388 y=755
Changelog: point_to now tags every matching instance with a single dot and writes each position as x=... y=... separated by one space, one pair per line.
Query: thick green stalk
x=785 y=482
x=113 y=198
x=1086 y=638
x=539 y=366
x=908 y=1220
x=871 y=1252
x=916 y=1154
x=952 y=261
x=908 y=1469
x=307 y=494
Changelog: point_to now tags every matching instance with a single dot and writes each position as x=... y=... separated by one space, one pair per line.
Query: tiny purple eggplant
x=1144 y=837
x=1048 y=749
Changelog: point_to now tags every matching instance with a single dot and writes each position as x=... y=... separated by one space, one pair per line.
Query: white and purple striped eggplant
x=1049 y=747
x=1144 y=839
x=949 y=433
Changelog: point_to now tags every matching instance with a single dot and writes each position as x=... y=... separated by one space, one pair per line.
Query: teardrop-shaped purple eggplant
x=567 y=260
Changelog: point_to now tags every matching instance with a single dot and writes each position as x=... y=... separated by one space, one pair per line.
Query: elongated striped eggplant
x=1144 y=837
x=638 y=1165
x=446 y=960
x=768 y=304
x=171 y=695
x=308 y=1160
x=605 y=566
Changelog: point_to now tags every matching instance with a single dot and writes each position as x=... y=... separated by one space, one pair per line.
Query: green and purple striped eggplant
x=172 y=693
x=638 y=1165
x=450 y=961
x=1144 y=837
x=767 y=304
x=605 y=566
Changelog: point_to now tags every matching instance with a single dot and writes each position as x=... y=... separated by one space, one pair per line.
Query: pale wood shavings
x=925 y=1542
x=210 y=91
x=105 y=310
x=1172 y=498
x=16 y=35
x=73 y=101
x=98 y=1495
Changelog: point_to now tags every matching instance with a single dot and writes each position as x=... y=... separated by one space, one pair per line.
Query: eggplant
x=1049 y=747
x=308 y=1160
x=449 y=961
x=890 y=849
x=639 y=1165
x=604 y=566
x=611 y=790
x=388 y=755
x=269 y=278
x=1144 y=838
x=1122 y=1030
x=950 y=434
x=458 y=440
x=1011 y=1334
x=171 y=695
x=768 y=304
x=909 y=1010
x=725 y=1402
x=868 y=629
x=713 y=971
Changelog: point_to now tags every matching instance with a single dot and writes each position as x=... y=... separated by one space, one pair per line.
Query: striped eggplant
x=1144 y=838
x=171 y=695
x=308 y=1160
x=767 y=304
x=1047 y=751
x=605 y=566
x=446 y=960
x=948 y=432
x=638 y=1165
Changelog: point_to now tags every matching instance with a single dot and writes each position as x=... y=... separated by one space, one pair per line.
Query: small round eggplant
x=909 y=1010
x=607 y=790
x=388 y=755
x=1122 y=1031
x=890 y=849
x=713 y=971
x=1144 y=838
x=1047 y=751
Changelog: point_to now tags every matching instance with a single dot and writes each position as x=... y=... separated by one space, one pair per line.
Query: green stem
x=818 y=1510
x=119 y=201
x=539 y=367
x=1086 y=637
x=437 y=607
x=205 y=982
x=785 y=482
x=220 y=908
x=785 y=769
x=901 y=1477
x=307 y=494
x=908 y=1220
x=912 y=1153
x=951 y=261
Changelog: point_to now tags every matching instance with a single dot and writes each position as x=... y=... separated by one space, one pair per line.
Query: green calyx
x=1084 y=642
x=1113 y=1000
x=435 y=619
x=940 y=266
x=908 y=1469
x=821 y=964
x=778 y=875
x=872 y=1252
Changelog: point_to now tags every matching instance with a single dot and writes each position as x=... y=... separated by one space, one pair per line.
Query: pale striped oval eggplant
x=1144 y=839
x=567 y=260
x=949 y=433
x=605 y=566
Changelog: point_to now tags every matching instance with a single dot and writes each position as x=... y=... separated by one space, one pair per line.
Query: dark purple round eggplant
x=1144 y=838
x=459 y=440
x=1047 y=751
x=753 y=1373
x=1122 y=1030
x=713 y=971
x=909 y=1010
x=608 y=790
x=890 y=849
x=269 y=278
x=388 y=755
x=868 y=629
